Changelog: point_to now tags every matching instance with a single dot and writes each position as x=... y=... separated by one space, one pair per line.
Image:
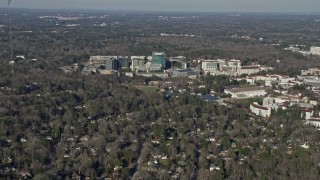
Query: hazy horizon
x=173 y=5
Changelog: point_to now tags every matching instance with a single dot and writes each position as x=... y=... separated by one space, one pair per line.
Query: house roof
x=256 y=105
x=286 y=103
x=305 y=109
x=314 y=119
x=294 y=97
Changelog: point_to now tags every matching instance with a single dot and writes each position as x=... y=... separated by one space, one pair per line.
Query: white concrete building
x=314 y=103
x=221 y=62
x=248 y=70
x=246 y=92
x=312 y=82
x=137 y=61
x=302 y=78
x=268 y=100
x=310 y=71
x=210 y=66
x=232 y=67
x=283 y=102
x=250 y=80
x=308 y=112
x=315 y=50
x=266 y=77
x=21 y=57
x=286 y=79
x=153 y=67
x=314 y=121
x=260 y=110
x=270 y=83
x=234 y=63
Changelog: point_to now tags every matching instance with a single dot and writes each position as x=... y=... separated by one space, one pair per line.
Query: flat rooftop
x=237 y=90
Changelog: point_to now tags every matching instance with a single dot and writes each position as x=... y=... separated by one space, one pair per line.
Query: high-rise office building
x=159 y=58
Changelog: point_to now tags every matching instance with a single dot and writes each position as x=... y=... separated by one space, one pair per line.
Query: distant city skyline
x=174 y=5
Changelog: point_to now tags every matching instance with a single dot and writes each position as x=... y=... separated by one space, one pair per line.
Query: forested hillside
x=56 y=125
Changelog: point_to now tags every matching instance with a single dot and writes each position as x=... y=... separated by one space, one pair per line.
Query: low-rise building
x=248 y=70
x=308 y=112
x=109 y=62
x=185 y=73
x=260 y=110
x=301 y=78
x=286 y=79
x=145 y=74
x=234 y=63
x=22 y=57
x=315 y=50
x=250 y=80
x=284 y=102
x=137 y=61
x=210 y=66
x=123 y=62
x=182 y=60
x=246 y=92
x=312 y=82
x=153 y=67
x=129 y=74
x=232 y=67
x=313 y=121
x=311 y=71
x=265 y=77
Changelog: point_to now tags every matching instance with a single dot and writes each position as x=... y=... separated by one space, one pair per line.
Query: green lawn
x=148 y=89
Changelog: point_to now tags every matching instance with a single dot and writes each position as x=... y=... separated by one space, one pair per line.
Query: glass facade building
x=123 y=62
x=159 y=58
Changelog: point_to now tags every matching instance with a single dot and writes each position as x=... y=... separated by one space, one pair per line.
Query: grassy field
x=148 y=89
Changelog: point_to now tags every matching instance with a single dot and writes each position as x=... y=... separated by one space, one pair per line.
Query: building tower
x=159 y=58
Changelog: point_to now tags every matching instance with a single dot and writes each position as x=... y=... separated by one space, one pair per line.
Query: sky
x=174 y=5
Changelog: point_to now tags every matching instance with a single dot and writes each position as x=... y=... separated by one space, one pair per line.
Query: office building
x=159 y=58
x=234 y=63
x=247 y=70
x=210 y=66
x=108 y=62
x=153 y=67
x=111 y=64
x=179 y=62
x=137 y=62
x=123 y=62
